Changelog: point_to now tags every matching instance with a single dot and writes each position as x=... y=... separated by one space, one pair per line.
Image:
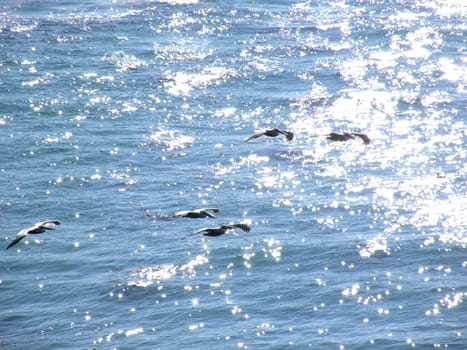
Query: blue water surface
x=116 y=114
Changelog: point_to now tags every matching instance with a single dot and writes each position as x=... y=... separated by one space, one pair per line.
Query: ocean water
x=116 y=114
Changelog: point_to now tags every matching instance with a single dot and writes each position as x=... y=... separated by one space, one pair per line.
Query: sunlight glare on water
x=114 y=115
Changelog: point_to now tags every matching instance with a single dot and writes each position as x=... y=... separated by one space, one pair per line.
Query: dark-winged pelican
x=39 y=227
x=197 y=213
x=271 y=133
x=345 y=136
x=218 y=231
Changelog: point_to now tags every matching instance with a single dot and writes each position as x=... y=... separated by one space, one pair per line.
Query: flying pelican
x=218 y=231
x=39 y=227
x=197 y=213
x=345 y=136
x=271 y=133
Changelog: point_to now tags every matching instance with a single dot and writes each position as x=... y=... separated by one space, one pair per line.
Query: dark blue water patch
x=81 y=115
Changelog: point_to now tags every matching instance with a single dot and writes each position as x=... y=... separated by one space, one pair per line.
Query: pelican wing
x=214 y=210
x=288 y=134
x=243 y=227
x=207 y=213
x=258 y=133
x=55 y=222
x=196 y=213
x=40 y=227
x=204 y=229
x=180 y=213
x=366 y=140
x=47 y=225
x=16 y=240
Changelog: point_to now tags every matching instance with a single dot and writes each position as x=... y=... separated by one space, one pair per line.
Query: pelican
x=39 y=227
x=197 y=213
x=218 y=231
x=271 y=133
x=346 y=136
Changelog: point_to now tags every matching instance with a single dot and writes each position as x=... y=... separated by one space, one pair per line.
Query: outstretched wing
x=243 y=227
x=366 y=140
x=46 y=223
x=40 y=227
x=204 y=229
x=288 y=134
x=258 y=133
x=180 y=213
x=206 y=211
x=214 y=210
x=16 y=240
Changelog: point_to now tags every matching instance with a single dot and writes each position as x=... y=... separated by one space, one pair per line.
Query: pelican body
x=218 y=231
x=334 y=136
x=197 y=213
x=39 y=227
